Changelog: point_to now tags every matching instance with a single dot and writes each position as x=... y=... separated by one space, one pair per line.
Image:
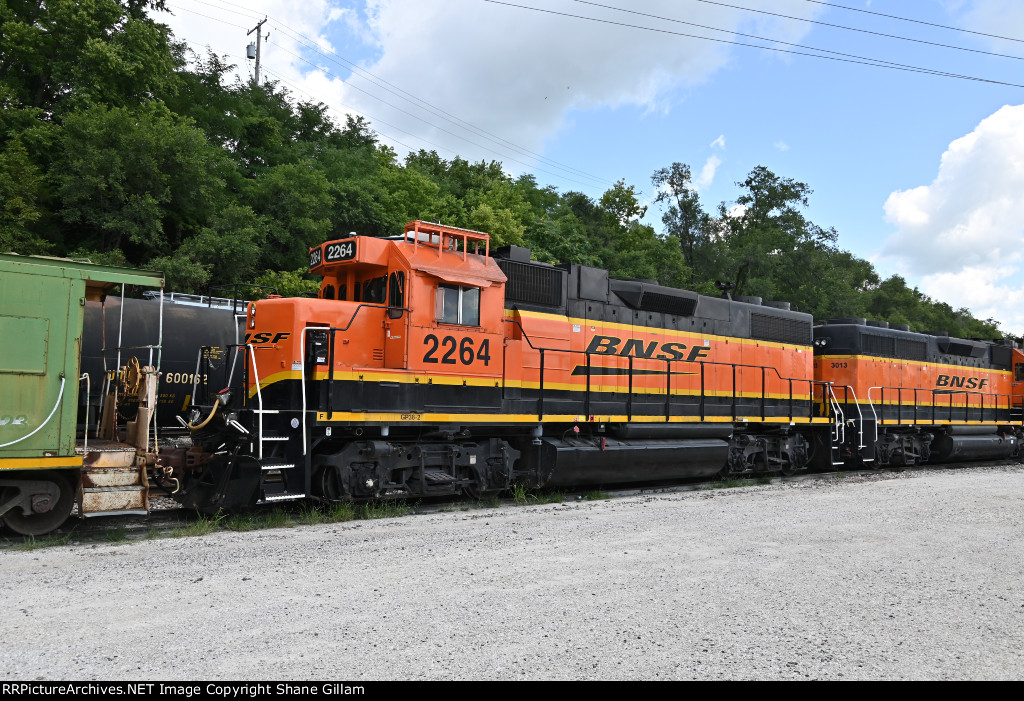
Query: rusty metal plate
x=109 y=458
x=111 y=477
x=100 y=502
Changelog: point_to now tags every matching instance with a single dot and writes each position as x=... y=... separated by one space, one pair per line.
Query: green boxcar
x=42 y=302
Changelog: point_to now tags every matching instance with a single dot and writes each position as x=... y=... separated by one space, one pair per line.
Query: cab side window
x=458 y=305
x=396 y=294
x=375 y=290
x=1018 y=373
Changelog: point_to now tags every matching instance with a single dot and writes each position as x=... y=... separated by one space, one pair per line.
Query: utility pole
x=258 y=42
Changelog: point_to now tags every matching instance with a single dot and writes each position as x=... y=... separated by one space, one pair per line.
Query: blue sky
x=921 y=174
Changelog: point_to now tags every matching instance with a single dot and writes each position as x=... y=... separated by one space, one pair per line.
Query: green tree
x=20 y=186
x=684 y=219
x=63 y=55
x=138 y=179
x=294 y=199
x=766 y=226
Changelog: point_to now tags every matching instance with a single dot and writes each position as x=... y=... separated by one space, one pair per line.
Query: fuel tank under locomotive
x=973 y=443
x=631 y=453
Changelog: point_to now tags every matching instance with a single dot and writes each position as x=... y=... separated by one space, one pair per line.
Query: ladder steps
x=277 y=465
x=283 y=497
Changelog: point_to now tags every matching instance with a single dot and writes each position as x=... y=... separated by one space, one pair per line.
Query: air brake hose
x=207 y=420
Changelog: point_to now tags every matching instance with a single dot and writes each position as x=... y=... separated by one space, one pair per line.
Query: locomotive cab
x=438 y=297
x=401 y=327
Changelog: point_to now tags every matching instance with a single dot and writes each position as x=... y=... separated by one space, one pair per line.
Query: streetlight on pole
x=250 y=52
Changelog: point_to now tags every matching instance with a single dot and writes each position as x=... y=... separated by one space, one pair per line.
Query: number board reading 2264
x=333 y=252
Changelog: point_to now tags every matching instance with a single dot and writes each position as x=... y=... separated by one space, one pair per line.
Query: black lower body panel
x=577 y=461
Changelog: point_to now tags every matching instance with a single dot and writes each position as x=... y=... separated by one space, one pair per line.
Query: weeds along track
x=168 y=520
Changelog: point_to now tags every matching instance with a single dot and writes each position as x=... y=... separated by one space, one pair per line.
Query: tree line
x=121 y=145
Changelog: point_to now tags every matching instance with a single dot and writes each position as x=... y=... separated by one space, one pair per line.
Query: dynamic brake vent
x=667 y=304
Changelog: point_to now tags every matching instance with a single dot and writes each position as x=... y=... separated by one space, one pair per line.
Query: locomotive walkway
x=894 y=576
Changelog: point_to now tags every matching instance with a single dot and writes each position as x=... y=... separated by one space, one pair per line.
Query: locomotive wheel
x=42 y=523
x=328 y=483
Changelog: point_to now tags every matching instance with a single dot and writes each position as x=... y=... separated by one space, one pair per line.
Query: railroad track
x=166 y=518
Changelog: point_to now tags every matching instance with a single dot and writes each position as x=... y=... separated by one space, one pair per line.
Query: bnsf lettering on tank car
x=958 y=381
x=638 y=348
x=264 y=338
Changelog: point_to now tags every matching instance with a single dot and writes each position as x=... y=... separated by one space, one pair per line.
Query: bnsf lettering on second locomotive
x=957 y=381
x=610 y=345
x=262 y=338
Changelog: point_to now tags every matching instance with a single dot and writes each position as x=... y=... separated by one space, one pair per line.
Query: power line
x=455 y=120
x=754 y=36
x=296 y=88
x=856 y=29
x=869 y=62
x=282 y=79
x=311 y=44
x=916 y=21
x=431 y=124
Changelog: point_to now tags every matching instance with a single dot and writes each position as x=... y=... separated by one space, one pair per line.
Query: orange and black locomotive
x=429 y=364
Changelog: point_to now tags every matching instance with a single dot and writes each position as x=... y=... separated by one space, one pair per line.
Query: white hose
x=40 y=427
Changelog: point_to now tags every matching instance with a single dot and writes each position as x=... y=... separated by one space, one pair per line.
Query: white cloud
x=517 y=74
x=719 y=142
x=963 y=235
x=707 y=174
x=995 y=17
x=221 y=26
x=781 y=145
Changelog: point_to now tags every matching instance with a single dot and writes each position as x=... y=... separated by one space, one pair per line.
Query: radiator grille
x=532 y=284
x=873 y=344
x=780 y=330
x=911 y=350
x=890 y=347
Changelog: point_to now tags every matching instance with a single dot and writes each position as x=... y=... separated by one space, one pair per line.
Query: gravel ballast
x=900 y=576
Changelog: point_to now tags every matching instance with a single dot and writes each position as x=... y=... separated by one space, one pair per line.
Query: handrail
x=837 y=410
x=673 y=360
x=669 y=361
x=88 y=393
x=259 y=399
x=860 y=414
x=1002 y=401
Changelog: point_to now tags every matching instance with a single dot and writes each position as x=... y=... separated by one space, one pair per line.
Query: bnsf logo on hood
x=957 y=381
x=610 y=345
x=258 y=339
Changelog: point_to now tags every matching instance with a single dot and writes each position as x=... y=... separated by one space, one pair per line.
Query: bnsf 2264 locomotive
x=431 y=365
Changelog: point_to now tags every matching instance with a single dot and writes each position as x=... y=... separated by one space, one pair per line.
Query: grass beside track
x=311 y=514
x=278 y=517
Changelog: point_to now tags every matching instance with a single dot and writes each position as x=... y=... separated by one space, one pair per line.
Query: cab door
x=396 y=322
